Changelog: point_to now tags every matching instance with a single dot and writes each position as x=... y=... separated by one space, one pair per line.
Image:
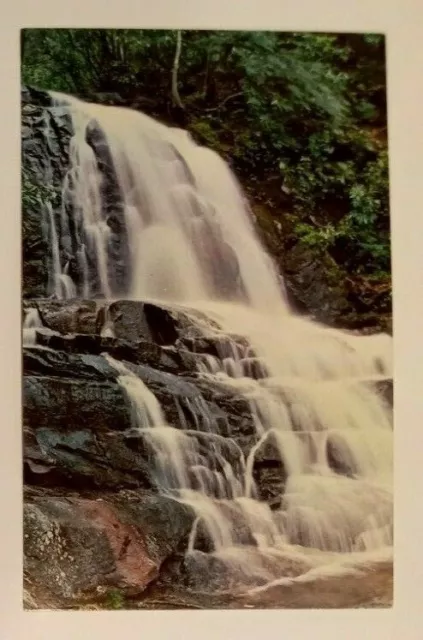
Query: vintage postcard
x=212 y=245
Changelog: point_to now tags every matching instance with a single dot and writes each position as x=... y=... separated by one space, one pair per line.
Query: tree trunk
x=175 y=93
x=206 y=75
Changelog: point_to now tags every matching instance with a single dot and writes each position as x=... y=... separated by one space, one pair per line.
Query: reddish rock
x=76 y=548
x=134 y=568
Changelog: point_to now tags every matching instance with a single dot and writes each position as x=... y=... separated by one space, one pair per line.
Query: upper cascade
x=182 y=223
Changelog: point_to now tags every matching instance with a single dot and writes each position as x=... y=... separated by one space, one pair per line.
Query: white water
x=32 y=322
x=63 y=286
x=191 y=242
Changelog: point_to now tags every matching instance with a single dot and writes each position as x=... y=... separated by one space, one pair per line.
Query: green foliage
x=317 y=237
x=365 y=228
x=86 y=60
x=115 y=599
x=206 y=134
x=368 y=220
x=306 y=109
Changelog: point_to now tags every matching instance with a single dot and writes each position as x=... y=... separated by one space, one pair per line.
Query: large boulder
x=76 y=548
x=70 y=316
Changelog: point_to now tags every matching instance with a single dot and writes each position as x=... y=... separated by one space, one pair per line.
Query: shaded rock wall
x=45 y=133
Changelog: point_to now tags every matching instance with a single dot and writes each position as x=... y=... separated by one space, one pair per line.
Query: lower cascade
x=158 y=219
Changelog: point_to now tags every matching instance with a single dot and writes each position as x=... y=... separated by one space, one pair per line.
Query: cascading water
x=63 y=286
x=31 y=323
x=187 y=238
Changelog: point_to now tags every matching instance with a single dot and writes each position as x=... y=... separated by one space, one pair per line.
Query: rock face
x=45 y=133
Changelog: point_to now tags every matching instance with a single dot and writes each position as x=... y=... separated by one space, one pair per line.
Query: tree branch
x=231 y=97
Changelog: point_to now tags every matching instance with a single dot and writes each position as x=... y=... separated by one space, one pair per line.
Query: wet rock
x=48 y=362
x=131 y=321
x=270 y=481
x=219 y=346
x=81 y=459
x=240 y=530
x=162 y=324
x=246 y=567
x=78 y=547
x=385 y=388
x=67 y=403
x=140 y=352
x=317 y=283
x=79 y=420
x=339 y=455
x=201 y=345
x=268 y=469
x=143 y=332
x=254 y=368
x=197 y=571
x=35 y=97
x=239 y=424
x=165 y=523
x=69 y=316
x=46 y=131
x=188 y=403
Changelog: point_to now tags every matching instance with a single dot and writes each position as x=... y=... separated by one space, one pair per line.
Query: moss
x=203 y=131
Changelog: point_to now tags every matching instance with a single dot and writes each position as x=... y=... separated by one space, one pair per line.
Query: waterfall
x=170 y=206
x=63 y=286
x=185 y=231
x=32 y=322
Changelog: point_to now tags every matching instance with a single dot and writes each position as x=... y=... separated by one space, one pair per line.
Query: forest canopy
x=300 y=116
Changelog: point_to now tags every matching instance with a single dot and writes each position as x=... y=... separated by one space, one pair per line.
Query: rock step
x=136 y=322
x=139 y=352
